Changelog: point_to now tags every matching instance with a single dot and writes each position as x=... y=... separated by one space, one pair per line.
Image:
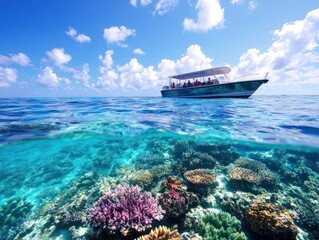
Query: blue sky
x=67 y=48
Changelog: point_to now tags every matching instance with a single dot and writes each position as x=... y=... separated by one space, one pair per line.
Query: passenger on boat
x=209 y=81
x=197 y=83
x=189 y=84
x=173 y=85
x=184 y=85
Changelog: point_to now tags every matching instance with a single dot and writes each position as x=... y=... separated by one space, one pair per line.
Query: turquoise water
x=53 y=150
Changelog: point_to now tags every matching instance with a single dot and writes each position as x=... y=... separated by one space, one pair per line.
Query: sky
x=110 y=48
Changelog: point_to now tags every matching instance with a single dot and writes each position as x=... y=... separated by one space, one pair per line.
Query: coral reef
x=13 y=214
x=248 y=173
x=192 y=160
x=123 y=209
x=200 y=177
x=177 y=202
x=271 y=220
x=171 y=183
x=144 y=179
x=162 y=233
x=223 y=153
x=221 y=225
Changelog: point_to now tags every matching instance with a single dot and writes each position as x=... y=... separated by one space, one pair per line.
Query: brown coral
x=161 y=233
x=243 y=174
x=200 y=176
x=271 y=220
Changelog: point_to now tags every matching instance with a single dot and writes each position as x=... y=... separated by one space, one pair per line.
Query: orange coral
x=200 y=176
x=162 y=233
x=271 y=220
x=172 y=183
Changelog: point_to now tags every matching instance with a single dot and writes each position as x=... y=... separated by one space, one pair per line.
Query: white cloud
x=58 y=57
x=138 y=51
x=118 y=34
x=7 y=76
x=143 y=2
x=71 y=32
x=20 y=59
x=164 y=6
x=237 y=2
x=48 y=78
x=134 y=75
x=210 y=15
x=252 y=5
x=80 y=75
x=81 y=38
x=108 y=74
x=292 y=57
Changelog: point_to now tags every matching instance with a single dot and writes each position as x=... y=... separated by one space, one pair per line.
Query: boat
x=212 y=83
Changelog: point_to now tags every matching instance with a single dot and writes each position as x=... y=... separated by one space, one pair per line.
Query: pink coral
x=125 y=208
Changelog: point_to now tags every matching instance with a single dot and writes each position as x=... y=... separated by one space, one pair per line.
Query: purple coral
x=125 y=208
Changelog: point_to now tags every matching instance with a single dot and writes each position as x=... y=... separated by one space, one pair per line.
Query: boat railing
x=250 y=77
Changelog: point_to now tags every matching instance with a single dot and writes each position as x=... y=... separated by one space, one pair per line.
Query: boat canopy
x=203 y=73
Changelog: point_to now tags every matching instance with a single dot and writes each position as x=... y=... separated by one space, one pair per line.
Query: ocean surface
x=56 y=151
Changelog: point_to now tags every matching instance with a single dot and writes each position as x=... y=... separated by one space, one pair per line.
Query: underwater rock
x=123 y=209
x=271 y=220
x=162 y=233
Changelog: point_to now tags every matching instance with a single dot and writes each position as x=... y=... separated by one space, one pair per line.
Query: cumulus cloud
x=210 y=15
x=80 y=75
x=292 y=56
x=81 y=38
x=138 y=51
x=58 y=56
x=164 y=6
x=134 y=75
x=118 y=34
x=48 y=78
x=20 y=59
x=7 y=76
x=108 y=75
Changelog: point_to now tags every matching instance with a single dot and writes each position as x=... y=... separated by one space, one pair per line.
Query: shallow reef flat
x=95 y=176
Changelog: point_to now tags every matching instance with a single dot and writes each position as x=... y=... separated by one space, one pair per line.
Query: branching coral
x=222 y=225
x=271 y=220
x=125 y=208
x=162 y=233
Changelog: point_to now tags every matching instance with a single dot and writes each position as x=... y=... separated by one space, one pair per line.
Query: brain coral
x=200 y=176
x=271 y=220
x=162 y=233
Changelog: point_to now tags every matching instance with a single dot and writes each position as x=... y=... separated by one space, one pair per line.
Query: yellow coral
x=161 y=233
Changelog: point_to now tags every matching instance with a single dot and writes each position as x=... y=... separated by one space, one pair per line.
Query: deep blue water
x=46 y=143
